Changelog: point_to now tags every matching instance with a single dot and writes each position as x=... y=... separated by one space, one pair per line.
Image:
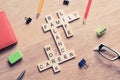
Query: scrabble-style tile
x=60 y=14
x=72 y=17
x=15 y=57
x=65 y=26
x=44 y=65
x=52 y=25
x=49 y=52
x=51 y=57
x=65 y=57
x=67 y=30
x=46 y=27
x=58 y=23
x=48 y=18
x=55 y=61
x=58 y=41
x=56 y=68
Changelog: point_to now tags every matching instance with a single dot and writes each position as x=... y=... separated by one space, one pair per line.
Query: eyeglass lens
x=108 y=53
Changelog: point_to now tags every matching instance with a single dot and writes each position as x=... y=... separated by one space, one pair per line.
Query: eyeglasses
x=108 y=53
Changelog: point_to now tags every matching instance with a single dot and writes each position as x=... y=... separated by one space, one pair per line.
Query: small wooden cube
x=15 y=57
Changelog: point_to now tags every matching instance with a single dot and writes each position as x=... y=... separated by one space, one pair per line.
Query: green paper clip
x=15 y=57
x=101 y=30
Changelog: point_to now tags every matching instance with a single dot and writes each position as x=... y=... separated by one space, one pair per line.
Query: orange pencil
x=39 y=8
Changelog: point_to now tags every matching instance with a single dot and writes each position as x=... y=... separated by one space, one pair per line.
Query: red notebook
x=7 y=36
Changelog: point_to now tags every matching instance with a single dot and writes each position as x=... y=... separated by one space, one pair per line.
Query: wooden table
x=32 y=40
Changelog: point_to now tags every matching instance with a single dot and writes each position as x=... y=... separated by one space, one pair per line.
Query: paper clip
x=66 y=2
x=82 y=63
x=28 y=20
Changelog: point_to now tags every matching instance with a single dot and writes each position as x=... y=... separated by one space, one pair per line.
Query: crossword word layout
x=52 y=26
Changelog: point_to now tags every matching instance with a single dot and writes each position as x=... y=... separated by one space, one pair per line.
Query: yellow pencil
x=39 y=8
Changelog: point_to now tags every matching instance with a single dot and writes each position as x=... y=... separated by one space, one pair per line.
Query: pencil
x=21 y=75
x=39 y=8
x=87 y=11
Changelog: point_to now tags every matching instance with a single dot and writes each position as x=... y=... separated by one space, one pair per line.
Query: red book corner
x=7 y=36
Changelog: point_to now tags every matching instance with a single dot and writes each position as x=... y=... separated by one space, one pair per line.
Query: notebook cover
x=7 y=36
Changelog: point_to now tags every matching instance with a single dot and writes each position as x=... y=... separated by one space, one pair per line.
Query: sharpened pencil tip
x=84 y=20
x=37 y=16
x=24 y=71
x=21 y=75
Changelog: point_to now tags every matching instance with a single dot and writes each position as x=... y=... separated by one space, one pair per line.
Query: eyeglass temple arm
x=100 y=46
x=118 y=57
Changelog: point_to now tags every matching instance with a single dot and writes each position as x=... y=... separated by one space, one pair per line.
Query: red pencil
x=87 y=11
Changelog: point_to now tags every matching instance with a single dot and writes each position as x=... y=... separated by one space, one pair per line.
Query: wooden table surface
x=32 y=40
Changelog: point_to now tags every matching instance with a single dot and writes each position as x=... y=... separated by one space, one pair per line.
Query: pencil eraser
x=7 y=36
x=101 y=30
x=15 y=57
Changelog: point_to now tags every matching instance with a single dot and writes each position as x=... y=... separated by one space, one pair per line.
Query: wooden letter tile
x=58 y=23
x=49 y=18
x=44 y=65
x=72 y=17
x=67 y=30
x=46 y=27
x=51 y=57
x=60 y=13
x=52 y=26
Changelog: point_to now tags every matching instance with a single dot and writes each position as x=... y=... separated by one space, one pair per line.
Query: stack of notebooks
x=7 y=37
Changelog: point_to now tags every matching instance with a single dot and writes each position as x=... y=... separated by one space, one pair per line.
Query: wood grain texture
x=32 y=39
